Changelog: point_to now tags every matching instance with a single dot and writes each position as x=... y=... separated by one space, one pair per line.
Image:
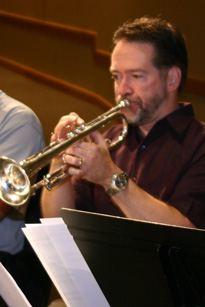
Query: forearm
x=137 y=204
x=61 y=195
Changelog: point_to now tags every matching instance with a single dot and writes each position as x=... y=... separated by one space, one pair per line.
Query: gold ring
x=63 y=159
x=80 y=162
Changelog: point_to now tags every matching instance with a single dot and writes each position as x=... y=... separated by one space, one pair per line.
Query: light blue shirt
x=21 y=136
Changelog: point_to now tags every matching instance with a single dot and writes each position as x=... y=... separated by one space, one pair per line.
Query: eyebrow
x=112 y=70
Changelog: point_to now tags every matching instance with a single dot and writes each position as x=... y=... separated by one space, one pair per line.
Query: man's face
x=136 y=79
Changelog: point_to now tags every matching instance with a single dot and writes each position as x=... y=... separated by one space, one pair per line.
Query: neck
x=146 y=127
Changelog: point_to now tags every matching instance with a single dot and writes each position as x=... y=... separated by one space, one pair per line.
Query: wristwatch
x=118 y=183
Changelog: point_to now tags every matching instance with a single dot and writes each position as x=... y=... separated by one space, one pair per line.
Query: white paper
x=10 y=291
x=64 y=263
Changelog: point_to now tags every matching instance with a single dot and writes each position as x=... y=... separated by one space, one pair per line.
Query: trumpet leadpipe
x=15 y=187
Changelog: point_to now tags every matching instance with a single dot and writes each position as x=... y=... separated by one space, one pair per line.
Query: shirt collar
x=181 y=118
x=178 y=121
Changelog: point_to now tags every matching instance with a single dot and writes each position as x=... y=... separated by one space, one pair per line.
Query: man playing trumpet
x=158 y=173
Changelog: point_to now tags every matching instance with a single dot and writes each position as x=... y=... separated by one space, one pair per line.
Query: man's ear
x=174 y=79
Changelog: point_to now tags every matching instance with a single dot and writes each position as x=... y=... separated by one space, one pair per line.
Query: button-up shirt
x=169 y=163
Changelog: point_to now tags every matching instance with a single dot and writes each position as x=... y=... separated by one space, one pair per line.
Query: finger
x=86 y=143
x=88 y=139
x=72 y=160
x=66 y=121
x=53 y=137
x=79 y=120
x=98 y=138
x=61 y=128
x=78 y=172
x=75 y=165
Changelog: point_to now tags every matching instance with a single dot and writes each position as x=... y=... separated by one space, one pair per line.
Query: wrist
x=56 y=163
x=118 y=183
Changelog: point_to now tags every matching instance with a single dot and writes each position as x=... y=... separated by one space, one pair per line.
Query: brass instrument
x=15 y=186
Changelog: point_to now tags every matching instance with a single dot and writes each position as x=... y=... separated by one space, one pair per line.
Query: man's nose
x=124 y=88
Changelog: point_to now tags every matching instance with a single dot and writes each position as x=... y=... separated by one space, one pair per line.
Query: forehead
x=131 y=55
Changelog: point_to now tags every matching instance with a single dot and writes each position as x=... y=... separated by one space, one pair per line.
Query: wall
x=104 y=17
x=81 y=58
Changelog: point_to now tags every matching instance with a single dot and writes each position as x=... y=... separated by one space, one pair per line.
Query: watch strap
x=118 y=183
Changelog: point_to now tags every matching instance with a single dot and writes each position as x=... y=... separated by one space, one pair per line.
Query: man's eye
x=115 y=77
x=137 y=76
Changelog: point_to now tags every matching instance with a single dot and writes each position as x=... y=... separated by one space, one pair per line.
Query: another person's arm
x=22 y=142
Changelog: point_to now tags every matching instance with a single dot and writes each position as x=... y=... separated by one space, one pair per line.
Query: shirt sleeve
x=21 y=142
x=84 y=195
x=21 y=137
x=189 y=194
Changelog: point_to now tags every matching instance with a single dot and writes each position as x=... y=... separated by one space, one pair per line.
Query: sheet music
x=10 y=291
x=64 y=263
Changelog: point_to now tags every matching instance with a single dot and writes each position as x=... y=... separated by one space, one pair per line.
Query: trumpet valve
x=77 y=130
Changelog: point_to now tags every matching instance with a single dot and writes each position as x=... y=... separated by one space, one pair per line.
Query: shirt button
x=143 y=147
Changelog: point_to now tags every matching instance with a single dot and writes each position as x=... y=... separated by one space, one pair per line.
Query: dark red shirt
x=169 y=163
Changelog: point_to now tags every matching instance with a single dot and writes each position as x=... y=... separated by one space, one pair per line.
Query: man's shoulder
x=8 y=103
x=11 y=108
x=198 y=125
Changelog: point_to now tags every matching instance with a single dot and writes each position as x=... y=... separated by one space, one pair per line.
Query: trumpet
x=15 y=185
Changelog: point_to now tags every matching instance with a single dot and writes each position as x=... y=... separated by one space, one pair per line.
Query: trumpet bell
x=14 y=183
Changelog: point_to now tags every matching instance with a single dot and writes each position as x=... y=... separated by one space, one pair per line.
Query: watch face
x=121 y=181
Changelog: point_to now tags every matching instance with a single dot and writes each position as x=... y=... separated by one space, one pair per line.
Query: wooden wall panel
x=65 y=59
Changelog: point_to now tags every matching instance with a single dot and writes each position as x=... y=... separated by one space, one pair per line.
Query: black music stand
x=138 y=263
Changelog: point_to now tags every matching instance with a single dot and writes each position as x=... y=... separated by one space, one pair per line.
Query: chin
x=132 y=118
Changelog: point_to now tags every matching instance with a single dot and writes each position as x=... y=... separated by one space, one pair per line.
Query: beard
x=146 y=109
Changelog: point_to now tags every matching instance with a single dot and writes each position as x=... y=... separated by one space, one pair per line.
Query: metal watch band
x=118 y=183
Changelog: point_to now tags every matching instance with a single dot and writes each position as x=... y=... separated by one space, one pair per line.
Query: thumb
x=98 y=138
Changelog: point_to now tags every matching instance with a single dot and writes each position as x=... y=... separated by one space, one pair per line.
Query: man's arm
x=98 y=168
x=61 y=195
x=137 y=204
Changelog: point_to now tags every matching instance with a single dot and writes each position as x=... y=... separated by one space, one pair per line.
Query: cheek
x=148 y=88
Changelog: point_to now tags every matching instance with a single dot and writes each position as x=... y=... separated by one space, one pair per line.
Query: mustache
x=137 y=100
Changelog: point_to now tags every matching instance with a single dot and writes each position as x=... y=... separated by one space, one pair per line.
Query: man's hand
x=66 y=123
x=88 y=158
x=91 y=160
